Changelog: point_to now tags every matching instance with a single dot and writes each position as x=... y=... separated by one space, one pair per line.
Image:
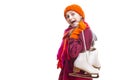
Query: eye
x=67 y=16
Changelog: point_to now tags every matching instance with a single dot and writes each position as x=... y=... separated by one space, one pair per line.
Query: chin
x=75 y=25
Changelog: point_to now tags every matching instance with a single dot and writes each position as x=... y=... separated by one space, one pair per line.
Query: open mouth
x=72 y=22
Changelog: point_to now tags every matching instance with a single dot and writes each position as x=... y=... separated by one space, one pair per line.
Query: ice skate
x=82 y=64
x=93 y=58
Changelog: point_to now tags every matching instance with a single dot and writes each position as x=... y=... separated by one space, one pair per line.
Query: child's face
x=73 y=18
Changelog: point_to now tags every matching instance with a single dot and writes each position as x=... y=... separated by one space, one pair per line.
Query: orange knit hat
x=75 y=8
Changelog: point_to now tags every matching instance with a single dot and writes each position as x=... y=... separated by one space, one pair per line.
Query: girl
x=72 y=43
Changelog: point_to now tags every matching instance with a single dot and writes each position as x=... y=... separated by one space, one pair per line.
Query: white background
x=31 y=32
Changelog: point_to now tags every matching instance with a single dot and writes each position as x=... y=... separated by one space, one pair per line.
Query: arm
x=75 y=47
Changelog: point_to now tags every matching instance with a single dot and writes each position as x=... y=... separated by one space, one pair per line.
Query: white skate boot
x=93 y=58
x=82 y=64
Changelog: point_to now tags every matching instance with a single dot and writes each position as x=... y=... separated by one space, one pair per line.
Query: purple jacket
x=77 y=46
x=74 y=48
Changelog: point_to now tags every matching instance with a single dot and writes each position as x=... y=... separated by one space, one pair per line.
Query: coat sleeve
x=74 y=48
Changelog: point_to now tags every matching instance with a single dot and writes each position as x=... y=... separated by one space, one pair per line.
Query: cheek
x=78 y=18
x=67 y=20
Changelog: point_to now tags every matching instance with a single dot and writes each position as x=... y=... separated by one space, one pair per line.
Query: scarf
x=71 y=32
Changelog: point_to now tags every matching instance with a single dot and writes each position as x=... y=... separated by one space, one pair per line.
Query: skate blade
x=84 y=75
